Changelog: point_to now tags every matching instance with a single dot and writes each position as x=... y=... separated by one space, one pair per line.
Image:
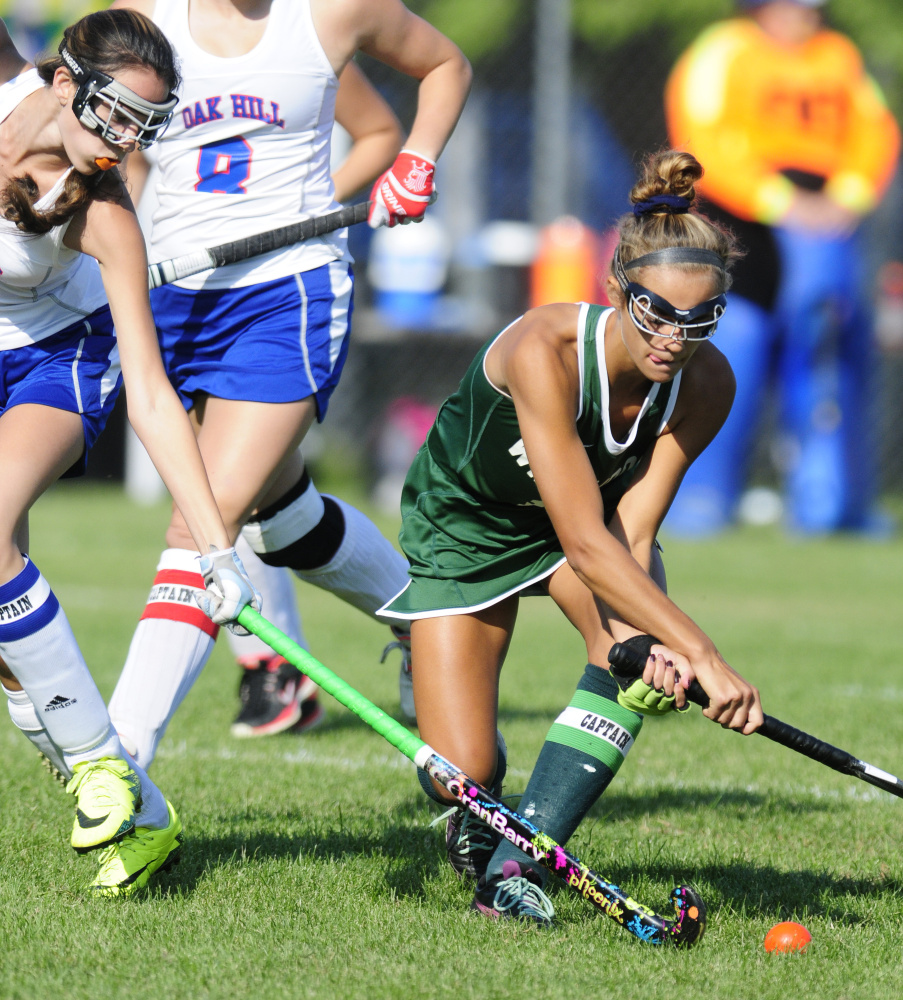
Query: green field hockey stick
x=686 y=929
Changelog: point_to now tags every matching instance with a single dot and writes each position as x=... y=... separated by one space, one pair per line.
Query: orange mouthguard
x=104 y=162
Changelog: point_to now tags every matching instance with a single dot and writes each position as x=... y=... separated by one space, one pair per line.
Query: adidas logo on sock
x=59 y=702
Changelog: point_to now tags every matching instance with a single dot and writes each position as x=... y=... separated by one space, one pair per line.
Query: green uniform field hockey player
x=550 y=471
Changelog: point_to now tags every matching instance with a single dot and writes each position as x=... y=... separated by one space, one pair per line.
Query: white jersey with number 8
x=248 y=147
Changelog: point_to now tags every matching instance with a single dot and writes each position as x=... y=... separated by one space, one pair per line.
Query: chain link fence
x=556 y=124
x=567 y=99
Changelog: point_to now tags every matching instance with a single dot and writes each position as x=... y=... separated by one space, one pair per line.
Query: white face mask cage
x=117 y=114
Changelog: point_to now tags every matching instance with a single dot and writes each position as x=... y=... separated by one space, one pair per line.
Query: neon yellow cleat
x=108 y=793
x=127 y=866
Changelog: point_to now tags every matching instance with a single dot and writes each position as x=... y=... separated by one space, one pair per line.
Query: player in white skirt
x=255 y=349
x=73 y=265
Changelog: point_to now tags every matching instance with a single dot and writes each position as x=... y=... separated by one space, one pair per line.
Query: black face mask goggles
x=654 y=314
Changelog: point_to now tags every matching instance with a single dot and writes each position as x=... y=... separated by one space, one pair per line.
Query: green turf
x=310 y=868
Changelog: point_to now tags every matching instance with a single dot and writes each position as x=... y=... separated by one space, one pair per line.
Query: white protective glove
x=228 y=589
x=403 y=192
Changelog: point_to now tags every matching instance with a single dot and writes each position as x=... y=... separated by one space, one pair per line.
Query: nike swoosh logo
x=86 y=823
x=133 y=876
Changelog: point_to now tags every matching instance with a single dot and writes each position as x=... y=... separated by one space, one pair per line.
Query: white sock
x=366 y=571
x=170 y=646
x=107 y=746
x=153 y=812
x=38 y=646
x=25 y=718
x=280 y=606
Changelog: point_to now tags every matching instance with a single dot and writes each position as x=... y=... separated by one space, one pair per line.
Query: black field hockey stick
x=689 y=924
x=627 y=664
x=176 y=268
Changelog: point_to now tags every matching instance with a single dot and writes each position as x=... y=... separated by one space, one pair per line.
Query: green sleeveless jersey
x=473 y=524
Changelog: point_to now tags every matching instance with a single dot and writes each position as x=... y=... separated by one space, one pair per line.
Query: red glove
x=403 y=192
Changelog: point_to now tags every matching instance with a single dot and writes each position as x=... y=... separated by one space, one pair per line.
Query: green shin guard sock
x=582 y=753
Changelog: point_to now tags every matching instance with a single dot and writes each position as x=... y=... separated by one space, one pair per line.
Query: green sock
x=583 y=751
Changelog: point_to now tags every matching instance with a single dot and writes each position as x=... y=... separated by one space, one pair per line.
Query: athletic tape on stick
x=177 y=268
x=647 y=925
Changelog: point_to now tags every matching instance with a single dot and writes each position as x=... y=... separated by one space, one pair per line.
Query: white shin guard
x=366 y=571
x=39 y=647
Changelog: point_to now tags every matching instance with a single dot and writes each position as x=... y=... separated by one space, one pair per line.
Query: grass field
x=310 y=868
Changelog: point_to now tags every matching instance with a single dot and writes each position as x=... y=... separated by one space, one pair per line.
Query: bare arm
x=388 y=31
x=108 y=231
x=375 y=132
x=538 y=362
x=705 y=397
x=134 y=170
x=704 y=400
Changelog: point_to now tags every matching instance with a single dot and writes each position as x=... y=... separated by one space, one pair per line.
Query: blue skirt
x=274 y=342
x=76 y=370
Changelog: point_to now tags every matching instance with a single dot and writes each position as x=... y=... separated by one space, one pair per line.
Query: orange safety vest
x=748 y=107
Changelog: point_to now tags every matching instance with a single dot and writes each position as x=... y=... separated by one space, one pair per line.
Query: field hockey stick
x=627 y=664
x=252 y=246
x=639 y=920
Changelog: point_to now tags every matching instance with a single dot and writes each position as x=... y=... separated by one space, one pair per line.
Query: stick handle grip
x=275 y=239
x=175 y=268
x=628 y=664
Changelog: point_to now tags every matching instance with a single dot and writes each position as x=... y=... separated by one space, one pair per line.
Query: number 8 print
x=224 y=167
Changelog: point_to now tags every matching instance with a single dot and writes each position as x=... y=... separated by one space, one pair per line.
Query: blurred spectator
x=798 y=146
x=404 y=427
x=407 y=270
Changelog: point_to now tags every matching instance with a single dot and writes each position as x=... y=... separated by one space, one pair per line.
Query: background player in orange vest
x=798 y=147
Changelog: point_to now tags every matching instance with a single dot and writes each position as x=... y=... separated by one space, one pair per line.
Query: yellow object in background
x=749 y=109
x=37 y=25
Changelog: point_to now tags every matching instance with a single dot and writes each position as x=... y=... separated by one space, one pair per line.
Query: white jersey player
x=274 y=695
x=248 y=148
x=73 y=263
x=256 y=349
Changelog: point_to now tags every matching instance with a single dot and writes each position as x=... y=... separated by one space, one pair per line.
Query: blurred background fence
x=567 y=98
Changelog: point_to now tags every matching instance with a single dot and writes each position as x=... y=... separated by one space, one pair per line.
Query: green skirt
x=466 y=552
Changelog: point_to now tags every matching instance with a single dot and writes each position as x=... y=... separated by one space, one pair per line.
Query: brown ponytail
x=21 y=193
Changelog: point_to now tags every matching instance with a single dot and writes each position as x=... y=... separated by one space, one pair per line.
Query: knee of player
x=302 y=529
x=483 y=760
x=439 y=793
x=11 y=561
